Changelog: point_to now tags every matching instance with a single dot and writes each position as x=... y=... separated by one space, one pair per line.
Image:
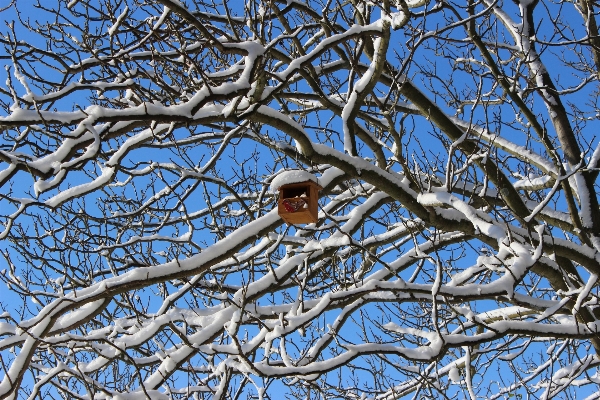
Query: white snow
x=120 y=18
x=291 y=176
x=454 y=375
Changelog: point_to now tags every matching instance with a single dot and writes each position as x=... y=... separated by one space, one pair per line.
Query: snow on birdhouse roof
x=291 y=176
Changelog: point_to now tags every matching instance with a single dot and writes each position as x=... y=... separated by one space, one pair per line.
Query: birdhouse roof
x=292 y=176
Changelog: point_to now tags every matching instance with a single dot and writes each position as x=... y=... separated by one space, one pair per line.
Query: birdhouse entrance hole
x=299 y=202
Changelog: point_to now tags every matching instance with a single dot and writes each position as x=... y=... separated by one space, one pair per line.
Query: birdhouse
x=299 y=202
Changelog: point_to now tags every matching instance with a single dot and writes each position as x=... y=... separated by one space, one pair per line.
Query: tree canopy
x=457 y=248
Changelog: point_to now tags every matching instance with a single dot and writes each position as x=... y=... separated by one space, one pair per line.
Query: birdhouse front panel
x=299 y=203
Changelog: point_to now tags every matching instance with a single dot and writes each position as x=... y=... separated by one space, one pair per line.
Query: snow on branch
x=456 y=231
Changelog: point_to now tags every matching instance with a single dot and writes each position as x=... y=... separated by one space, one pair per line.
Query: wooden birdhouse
x=299 y=202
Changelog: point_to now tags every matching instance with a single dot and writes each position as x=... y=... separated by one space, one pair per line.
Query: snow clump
x=291 y=176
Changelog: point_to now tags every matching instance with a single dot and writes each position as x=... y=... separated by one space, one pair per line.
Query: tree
x=457 y=249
